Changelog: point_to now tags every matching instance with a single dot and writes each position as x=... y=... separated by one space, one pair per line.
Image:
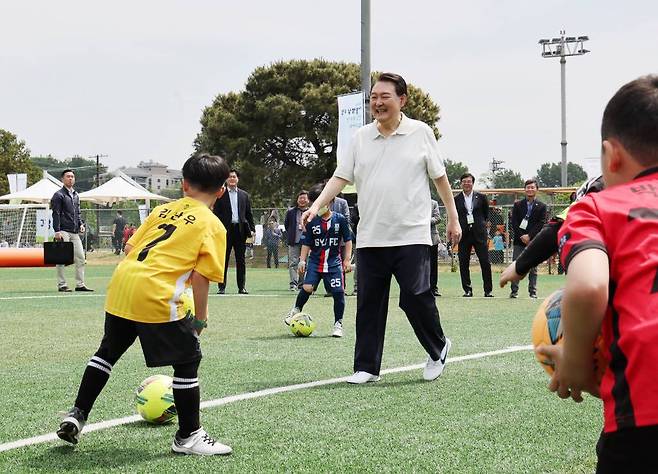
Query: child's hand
x=509 y=274
x=301 y=267
x=347 y=266
x=570 y=377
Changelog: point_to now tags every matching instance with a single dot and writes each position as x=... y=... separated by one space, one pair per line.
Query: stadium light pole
x=561 y=48
x=365 y=58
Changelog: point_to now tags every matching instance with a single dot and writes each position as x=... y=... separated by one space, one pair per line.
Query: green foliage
x=455 y=169
x=549 y=175
x=507 y=179
x=281 y=130
x=85 y=169
x=15 y=158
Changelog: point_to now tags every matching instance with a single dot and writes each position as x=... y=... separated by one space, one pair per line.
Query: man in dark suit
x=528 y=218
x=473 y=211
x=234 y=210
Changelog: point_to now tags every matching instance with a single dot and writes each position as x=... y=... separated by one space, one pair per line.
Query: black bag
x=58 y=253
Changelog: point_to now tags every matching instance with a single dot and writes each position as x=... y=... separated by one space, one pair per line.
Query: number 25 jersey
x=175 y=239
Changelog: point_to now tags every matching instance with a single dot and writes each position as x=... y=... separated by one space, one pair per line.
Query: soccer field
x=489 y=413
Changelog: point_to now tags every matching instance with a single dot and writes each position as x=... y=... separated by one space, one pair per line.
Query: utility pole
x=365 y=58
x=98 y=183
x=495 y=165
x=561 y=48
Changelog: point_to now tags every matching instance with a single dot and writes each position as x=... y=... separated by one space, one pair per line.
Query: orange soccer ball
x=547 y=329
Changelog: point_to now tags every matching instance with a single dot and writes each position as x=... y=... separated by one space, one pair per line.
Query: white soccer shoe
x=434 y=368
x=338 y=329
x=289 y=316
x=199 y=443
x=360 y=377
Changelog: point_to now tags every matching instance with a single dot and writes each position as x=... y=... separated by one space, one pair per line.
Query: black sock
x=302 y=298
x=187 y=398
x=339 y=306
x=94 y=379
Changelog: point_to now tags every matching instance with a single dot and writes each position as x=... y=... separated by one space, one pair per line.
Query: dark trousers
x=434 y=267
x=628 y=450
x=532 y=274
x=465 y=246
x=273 y=251
x=235 y=240
x=410 y=266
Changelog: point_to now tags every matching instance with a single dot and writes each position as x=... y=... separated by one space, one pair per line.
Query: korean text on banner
x=350 y=119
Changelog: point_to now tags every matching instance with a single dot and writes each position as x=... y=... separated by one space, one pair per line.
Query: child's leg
x=119 y=335
x=334 y=282
x=339 y=305
x=187 y=397
x=303 y=296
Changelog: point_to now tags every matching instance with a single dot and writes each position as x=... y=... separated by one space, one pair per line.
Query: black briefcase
x=58 y=253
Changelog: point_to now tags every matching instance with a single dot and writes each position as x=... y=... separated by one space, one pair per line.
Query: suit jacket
x=536 y=220
x=434 y=220
x=477 y=232
x=222 y=210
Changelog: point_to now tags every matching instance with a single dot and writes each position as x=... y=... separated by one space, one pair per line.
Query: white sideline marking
x=248 y=396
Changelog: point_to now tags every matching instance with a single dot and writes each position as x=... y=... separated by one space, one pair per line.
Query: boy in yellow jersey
x=180 y=244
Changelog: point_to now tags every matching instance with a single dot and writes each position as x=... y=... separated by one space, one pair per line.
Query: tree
x=84 y=169
x=281 y=130
x=549 y=175
x=15 y=158
x=454 y=170
x=507 y=179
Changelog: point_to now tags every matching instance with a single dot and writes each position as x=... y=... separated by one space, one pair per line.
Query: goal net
x=25 y=225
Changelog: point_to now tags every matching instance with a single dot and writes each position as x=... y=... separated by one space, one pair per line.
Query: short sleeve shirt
x=323 y=236
x=175 y=239
x=392 y=175
x=623 y=222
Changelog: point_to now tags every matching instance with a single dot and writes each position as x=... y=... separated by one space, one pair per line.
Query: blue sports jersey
x=323 y=236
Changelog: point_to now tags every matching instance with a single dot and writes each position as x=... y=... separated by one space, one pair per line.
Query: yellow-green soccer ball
x=302 y=325
x=187 y=303
x=155 y=400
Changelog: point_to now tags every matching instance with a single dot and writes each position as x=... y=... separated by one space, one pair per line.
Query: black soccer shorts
x=175 y=342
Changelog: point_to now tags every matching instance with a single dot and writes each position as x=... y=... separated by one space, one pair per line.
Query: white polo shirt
x=392 y=176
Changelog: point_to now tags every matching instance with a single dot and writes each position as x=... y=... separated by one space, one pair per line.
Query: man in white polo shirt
x=391 y=161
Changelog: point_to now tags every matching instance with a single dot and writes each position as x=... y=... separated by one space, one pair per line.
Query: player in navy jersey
x=321 y=244
x=609 y=247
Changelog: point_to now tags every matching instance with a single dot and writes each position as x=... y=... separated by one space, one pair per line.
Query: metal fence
x=99 y=234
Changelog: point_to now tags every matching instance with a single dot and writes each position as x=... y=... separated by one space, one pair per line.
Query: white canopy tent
x=41 y=191
x=119 y=188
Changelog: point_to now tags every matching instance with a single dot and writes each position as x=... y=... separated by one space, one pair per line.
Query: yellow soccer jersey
x=175 y=239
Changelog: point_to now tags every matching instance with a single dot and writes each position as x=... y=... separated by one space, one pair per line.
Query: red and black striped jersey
x=623 y=222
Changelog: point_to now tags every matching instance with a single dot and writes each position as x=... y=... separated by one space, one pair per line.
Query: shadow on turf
x=289 y=337
x=79 y=459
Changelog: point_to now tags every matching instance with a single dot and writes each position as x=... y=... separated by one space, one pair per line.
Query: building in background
x=154 y=176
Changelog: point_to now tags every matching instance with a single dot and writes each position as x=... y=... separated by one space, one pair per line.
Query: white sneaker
x=433 y=368
x=338 y=329
x=200 y=443
x=362 y=377
x=291 y=313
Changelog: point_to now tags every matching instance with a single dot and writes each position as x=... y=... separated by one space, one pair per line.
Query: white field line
x=102 y=425
x=275 y=295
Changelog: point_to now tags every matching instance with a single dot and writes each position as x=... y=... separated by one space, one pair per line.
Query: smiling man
x=391 y=162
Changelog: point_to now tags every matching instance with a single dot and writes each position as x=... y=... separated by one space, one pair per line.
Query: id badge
x=470 y=220
x=524 y=224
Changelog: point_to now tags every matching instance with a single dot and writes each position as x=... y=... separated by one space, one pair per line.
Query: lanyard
x=531 y=205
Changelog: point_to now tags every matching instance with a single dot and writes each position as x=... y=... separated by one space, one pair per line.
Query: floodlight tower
x=561 y=48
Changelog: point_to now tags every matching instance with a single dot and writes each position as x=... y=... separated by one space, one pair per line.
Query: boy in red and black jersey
x=609 y=246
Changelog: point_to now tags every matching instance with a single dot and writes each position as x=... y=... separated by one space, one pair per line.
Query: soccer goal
x=25 y=225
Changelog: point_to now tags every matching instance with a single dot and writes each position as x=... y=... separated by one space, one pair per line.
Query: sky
x=130 y=79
